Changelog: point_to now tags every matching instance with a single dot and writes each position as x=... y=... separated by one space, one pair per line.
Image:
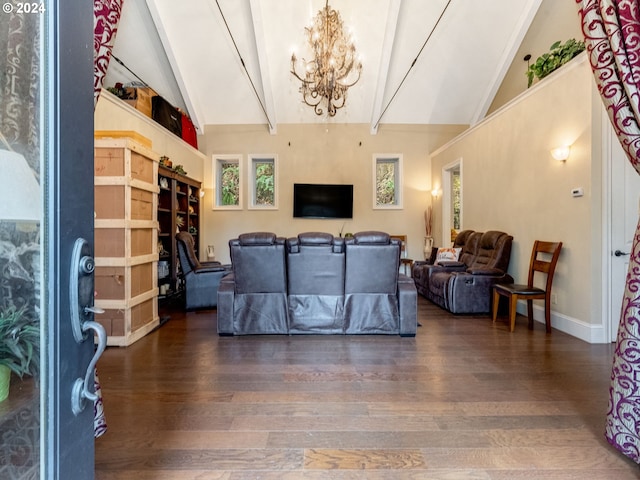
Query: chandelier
x=334 y=68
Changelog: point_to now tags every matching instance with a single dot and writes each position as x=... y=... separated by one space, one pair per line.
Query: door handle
x=618 y=253
x=81 y=297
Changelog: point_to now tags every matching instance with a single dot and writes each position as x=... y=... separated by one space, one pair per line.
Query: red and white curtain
x=612 y=34
x=106 y=15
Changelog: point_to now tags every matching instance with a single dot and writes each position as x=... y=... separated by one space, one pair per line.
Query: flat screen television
x=322 y=201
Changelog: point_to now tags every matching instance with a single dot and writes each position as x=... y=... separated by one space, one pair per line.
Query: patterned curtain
x=612 y=32
x=106 y=14
x=19 y=99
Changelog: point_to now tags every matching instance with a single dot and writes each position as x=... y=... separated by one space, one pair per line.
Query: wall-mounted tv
x=322 y=201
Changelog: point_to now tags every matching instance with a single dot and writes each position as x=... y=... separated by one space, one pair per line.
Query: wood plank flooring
x=464 y=399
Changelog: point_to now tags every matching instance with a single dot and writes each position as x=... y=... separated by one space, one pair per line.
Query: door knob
x=81 y=297
x=618 y=253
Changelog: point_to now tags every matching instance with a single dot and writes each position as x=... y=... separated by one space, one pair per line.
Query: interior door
x=624 y=214
x=68 y=216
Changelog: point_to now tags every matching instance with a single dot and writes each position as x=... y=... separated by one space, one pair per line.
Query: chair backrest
x=258 y=262
x=186 y=252
x=540 y=261
x=372 y=263
x=315 y=264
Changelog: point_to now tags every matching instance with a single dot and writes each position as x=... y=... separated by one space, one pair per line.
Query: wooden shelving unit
x=178 y=210
x=126 y=238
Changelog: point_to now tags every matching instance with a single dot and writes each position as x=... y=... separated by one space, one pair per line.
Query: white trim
x=572 y=326
x=395 y=158
x=228 y=158
x=385 y=61
x=607 y=266
x=519 y=29
x=252 y=180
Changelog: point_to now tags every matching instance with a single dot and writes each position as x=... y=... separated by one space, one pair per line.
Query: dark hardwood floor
x=464 y=399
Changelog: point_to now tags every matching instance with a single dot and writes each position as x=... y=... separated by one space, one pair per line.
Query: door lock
x=81 y=297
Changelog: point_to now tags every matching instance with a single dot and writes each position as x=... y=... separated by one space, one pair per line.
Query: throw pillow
x=448 y=254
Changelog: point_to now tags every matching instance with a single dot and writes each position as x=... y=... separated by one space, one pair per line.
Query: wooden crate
x=126 y=238
x=116 y=241
x=124 y=326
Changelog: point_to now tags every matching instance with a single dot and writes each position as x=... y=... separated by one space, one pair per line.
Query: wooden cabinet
x=126 y=238
x=178 y=211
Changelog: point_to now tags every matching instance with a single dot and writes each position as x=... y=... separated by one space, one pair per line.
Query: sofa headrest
x=371 y=238
x=490 y=239
x=257 y=238
x=315 y=238
x=462 y=238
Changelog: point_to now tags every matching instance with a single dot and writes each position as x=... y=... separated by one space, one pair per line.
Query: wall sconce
x=561 y=153
x=435 y=193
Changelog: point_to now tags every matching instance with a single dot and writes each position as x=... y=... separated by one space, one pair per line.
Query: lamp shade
x=20 y=194
x=561 y=153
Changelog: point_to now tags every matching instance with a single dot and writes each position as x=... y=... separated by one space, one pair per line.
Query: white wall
x=324 y=153
x=511 y=183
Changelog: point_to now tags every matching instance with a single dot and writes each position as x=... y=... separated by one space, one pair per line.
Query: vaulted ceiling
x=228 y=61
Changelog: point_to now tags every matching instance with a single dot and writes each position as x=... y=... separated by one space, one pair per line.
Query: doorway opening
x=451 y=201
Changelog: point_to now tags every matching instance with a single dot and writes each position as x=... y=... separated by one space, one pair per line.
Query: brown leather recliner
x=422 y=270
x=465 y=286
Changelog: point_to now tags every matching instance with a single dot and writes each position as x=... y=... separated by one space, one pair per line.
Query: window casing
x=227 y=179
x=263 y=182
x=387 y=181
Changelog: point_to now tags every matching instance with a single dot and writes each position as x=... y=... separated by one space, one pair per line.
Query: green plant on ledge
x=559 y=54
x=19 y=342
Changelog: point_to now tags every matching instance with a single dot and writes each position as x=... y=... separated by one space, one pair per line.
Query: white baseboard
x=569 y=325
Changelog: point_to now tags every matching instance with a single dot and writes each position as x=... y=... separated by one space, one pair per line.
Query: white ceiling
x=187 y=55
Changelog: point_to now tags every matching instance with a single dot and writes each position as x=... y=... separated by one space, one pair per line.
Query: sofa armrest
x=408 y=307
x=496 y=272
x=211 y=263
x=209 y=268
x=450 y=264
x=468 y=293
x=226 y=293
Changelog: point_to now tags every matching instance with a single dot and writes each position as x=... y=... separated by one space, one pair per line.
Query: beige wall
x=511 y=183
x=554 y=21
x=324 y=154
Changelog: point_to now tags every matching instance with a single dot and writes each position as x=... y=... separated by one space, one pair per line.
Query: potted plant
x=19 y=347
x=558 y=55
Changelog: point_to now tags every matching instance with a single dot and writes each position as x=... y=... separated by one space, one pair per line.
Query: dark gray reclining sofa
x=316 y=284
x=465 y=286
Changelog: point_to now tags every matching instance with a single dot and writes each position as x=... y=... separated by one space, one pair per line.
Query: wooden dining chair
x=540 y=262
